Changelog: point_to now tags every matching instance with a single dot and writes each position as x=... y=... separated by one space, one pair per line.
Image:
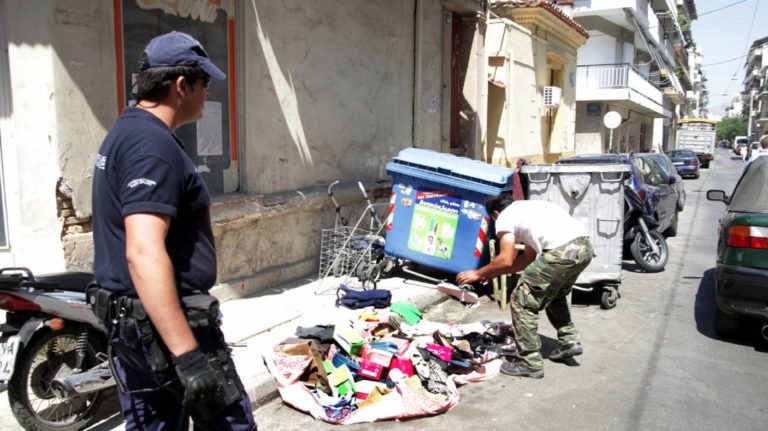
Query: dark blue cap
x=178 y=49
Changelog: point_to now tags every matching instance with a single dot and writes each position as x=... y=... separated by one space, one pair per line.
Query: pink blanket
x=403 y=402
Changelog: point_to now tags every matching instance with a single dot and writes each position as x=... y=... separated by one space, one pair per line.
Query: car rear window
x=680 y=153
x=751 y=194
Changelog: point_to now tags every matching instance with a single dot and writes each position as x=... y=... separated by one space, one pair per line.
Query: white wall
x=599 y=49
x=328 y=90
x=59 y=63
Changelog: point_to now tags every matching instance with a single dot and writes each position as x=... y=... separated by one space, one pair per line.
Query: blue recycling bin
x=437 y=215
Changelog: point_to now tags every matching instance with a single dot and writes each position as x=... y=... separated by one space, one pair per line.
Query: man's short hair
x=153 y=84
x=764 y=141
x=498 y=203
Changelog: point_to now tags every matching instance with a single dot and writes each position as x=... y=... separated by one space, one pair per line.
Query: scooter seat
x=69 y=281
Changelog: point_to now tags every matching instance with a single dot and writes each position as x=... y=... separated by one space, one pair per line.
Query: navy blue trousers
x=161 y=409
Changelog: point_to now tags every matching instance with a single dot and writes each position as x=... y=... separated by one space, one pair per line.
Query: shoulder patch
x=141 y=182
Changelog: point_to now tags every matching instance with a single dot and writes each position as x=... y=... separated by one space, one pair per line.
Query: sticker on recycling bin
x=433 y=225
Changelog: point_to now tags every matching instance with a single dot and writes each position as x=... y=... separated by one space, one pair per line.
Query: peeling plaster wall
x=57 y=63
x=429 y=61
x=85 y=84
x=261 y=241
x=328 y=90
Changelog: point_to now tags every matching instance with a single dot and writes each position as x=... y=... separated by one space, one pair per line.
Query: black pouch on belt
x=202 y=310
x=102 y=302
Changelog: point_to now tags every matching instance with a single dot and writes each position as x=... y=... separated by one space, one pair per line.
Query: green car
x=741 y=277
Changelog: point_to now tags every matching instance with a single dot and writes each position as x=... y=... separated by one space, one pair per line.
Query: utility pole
x=751 y=109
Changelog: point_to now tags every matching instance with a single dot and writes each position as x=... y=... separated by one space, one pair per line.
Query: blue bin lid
x=452 y=170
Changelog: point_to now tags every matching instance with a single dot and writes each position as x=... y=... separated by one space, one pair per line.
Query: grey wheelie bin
x=593 y=194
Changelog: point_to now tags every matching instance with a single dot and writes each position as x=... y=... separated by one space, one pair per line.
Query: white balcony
x=613 y=10
x=619 y=83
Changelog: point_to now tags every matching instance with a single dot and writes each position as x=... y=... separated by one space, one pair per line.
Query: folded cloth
x=409 y=312
x=321 y=333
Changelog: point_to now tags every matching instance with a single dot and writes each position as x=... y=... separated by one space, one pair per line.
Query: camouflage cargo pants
x=545 y=285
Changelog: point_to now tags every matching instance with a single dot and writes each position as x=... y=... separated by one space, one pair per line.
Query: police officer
x=155 y=258
x=557 y=249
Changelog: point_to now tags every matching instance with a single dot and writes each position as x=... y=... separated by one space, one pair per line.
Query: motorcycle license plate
x=8 y=349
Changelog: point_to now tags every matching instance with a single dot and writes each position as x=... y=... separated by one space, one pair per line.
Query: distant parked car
x=741 y=275
x=648 y=180
x=668 y=167
x=686 y=162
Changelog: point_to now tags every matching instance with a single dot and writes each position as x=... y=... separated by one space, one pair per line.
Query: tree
x=730 y=127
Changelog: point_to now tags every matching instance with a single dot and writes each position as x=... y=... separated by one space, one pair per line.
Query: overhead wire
x=748 y=44
x=721 y=8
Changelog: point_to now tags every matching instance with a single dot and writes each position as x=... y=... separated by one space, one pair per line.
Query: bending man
x=557 y=249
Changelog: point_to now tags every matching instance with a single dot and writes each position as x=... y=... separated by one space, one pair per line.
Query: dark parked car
x=649 y=181
x=741 y=276
x=686 y=162
x=668 y=167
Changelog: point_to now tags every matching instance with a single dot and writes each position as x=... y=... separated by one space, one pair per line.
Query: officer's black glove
x=197 y=376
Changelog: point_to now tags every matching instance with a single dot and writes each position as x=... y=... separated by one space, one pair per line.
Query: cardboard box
x=381 y=357
x=403 y=364
x=348 y=339
x=441 y=352
x=341 y=381
x=401 y=343
x=371 y=370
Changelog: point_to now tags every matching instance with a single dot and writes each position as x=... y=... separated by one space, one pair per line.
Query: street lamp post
x=751 y=114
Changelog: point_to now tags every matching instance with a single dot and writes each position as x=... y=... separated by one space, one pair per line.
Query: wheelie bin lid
x=452 y=170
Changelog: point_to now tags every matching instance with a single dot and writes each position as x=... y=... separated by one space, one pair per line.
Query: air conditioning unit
x=552 y=96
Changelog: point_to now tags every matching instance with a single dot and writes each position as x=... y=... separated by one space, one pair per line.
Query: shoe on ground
x=561 y=354
x=515 y=368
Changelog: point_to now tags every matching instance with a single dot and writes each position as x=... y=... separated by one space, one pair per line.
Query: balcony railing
x=617 y=82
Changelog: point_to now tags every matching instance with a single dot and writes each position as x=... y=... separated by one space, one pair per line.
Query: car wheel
x=681 y=202
x=726 y=325
x=672 y=229
x=696 y=176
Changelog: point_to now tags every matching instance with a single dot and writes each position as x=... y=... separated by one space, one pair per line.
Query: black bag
x=354 y=299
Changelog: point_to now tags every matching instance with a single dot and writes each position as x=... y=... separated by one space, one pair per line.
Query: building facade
x=630 y=65
x=315 y=92
x=754 y=93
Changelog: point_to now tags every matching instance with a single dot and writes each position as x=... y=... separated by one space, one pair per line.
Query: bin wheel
x=609 y=297
x=386 y=267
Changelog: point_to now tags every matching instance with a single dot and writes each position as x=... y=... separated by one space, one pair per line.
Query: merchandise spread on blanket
x=385 y=364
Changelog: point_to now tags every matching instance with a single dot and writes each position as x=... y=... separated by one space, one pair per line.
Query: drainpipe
x=482 y=81
x=418 y=14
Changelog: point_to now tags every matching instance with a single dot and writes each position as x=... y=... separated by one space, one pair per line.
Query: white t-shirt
x=542 y=225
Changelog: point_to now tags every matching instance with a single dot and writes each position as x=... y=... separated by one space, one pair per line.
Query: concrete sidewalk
x=255 y=324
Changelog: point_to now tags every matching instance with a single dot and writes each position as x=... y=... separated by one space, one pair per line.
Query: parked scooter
x=647 y=245
x=52 y=350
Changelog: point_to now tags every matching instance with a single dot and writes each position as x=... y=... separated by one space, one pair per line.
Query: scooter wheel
x=644 y=255
x=51 y=355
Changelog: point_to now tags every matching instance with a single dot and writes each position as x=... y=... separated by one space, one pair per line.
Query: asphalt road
x=651 y=363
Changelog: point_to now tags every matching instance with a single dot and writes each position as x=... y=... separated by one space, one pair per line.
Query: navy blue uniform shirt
x=141 y=167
